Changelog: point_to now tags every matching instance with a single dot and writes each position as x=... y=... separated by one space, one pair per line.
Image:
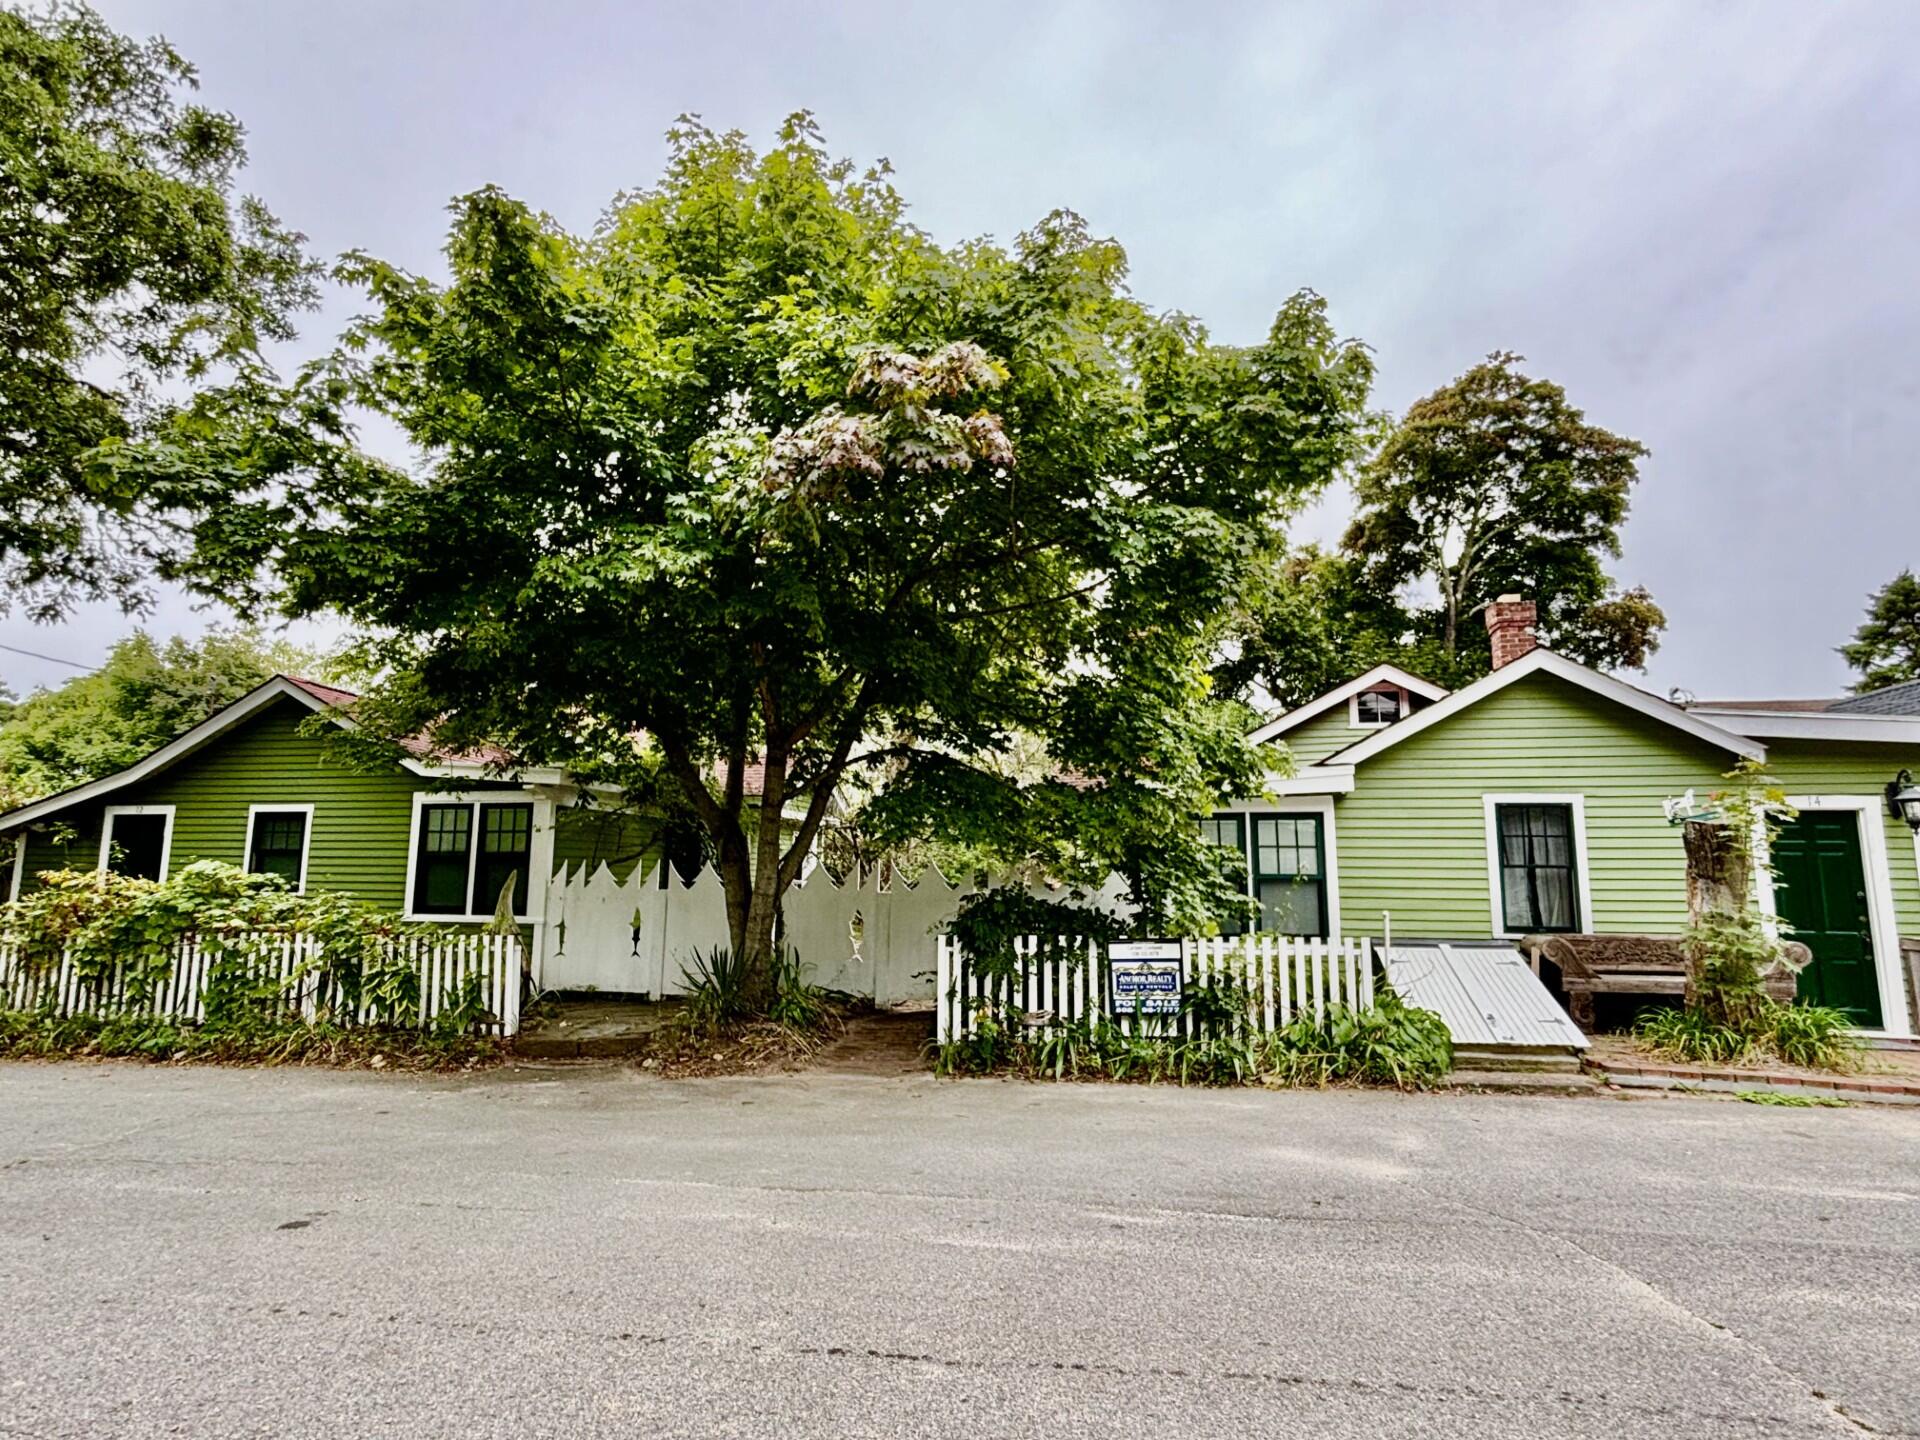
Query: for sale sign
x=1145 y=976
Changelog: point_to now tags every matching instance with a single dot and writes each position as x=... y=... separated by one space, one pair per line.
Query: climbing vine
x=122 y=931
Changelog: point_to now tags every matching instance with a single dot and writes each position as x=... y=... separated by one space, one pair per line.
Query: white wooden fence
x=1067 y=981
x=445 y=964
x=602 y=931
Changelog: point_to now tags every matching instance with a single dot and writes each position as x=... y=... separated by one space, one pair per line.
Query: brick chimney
x=1510 y=622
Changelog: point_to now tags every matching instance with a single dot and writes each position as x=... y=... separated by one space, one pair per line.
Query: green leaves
x=757 y=480
x=129 y=262
x=1496 y=483
x=1886 y=648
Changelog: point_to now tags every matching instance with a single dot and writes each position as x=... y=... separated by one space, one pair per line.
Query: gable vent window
x=1375 y=708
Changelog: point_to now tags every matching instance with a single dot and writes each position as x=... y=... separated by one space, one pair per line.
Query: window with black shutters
x=1538 y=888
x=279 y=844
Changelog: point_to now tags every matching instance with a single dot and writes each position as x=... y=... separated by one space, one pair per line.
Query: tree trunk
x=1723 y=983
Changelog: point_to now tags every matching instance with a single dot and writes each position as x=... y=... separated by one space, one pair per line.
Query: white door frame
x=1882 y=923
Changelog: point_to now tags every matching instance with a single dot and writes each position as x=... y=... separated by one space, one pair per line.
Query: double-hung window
x=1229 y=832
x=1289 y=874
x=1539 y=889
x=465 y=854
x=277 y=843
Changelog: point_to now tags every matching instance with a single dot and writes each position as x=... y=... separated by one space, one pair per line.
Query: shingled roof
x=1903 y=699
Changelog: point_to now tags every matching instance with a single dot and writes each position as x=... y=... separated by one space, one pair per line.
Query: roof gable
x=1533 y=663
x=1340 y=694
x=280 y=687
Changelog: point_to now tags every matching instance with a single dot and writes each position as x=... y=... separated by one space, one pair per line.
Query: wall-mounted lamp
x=1903 y=799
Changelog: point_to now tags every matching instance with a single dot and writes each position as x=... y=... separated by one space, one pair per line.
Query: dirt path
x=888 y=1042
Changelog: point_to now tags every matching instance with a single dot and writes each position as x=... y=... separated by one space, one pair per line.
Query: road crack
x=1687 y=1315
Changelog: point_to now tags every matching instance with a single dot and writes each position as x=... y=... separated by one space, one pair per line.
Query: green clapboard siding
x=586 y=838
x=1322 y=735
x=1412 y=837
x=360 y=820
x=1806 y=767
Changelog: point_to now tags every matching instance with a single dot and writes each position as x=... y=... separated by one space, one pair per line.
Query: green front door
x=1820 y=885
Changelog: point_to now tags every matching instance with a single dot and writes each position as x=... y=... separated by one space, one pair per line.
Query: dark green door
x=1821 y=888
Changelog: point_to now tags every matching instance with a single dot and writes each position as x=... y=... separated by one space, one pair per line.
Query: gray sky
x=1703 y=220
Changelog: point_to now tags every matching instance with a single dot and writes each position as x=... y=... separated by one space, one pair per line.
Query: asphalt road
x=592 y=1252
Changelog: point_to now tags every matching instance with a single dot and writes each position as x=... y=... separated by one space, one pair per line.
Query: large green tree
x=126 y=262
x=1885 y=650
x=757 y=486
x=1497 y=483
x=143 y=696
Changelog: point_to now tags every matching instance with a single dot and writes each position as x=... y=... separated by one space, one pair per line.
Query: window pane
x=135 y=845
x=440 y=868
x=446 y=828
x=1291 y=907
x=1377 y=707
x=278 y=839
x=506 y=852
x=1554 y=891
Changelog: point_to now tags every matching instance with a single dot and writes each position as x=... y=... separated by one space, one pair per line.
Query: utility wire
x=50 y=659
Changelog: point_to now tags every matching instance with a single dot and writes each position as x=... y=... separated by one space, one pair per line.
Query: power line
x=50 y=659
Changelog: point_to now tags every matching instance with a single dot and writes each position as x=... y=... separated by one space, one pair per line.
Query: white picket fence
x=1067 y=981
x=445 y=965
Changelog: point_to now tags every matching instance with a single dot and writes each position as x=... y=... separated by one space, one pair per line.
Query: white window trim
x=306 y=837
x=18 y=879
x=1882 y=923
x=1319 y=806
x=539 y=859
x=1413 y=684
x=1399 y=693
x=111 y=812
x=1582 y=886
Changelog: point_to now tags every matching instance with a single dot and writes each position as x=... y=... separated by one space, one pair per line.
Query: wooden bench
x=1591 y=965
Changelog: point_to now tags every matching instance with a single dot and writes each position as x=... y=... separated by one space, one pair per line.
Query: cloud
x=1700 y=220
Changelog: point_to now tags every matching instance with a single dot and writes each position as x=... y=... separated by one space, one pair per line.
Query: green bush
x=117 y=926
x=1389 y=1043
x=716 y=993
x=41 y=1034
x=1813 y=1036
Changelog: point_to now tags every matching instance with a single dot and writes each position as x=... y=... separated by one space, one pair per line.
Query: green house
x=1534 y=801
x=431 y=838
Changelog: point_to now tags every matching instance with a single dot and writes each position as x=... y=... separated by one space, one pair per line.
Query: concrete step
x=590 y=1029
x=1535 y=1059
x=1527 y=1081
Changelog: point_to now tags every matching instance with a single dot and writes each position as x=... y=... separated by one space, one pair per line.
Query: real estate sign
x=1145 y=977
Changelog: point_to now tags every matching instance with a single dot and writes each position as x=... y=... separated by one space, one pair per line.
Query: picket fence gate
x=444 y=963
x=1066 y=981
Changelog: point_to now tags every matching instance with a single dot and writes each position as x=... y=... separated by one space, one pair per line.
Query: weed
x=1389 y=1043
x=1780 y=1097
x=1814 y=1036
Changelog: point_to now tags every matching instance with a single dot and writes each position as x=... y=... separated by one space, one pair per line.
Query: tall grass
x=1812 y=1036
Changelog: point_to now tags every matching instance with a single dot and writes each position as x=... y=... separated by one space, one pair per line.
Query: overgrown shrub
x=989 y=922
x=1389 y=1043
x=716 y=994
x=1814 y=1036
x=42 y=1034
x=116 y=929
